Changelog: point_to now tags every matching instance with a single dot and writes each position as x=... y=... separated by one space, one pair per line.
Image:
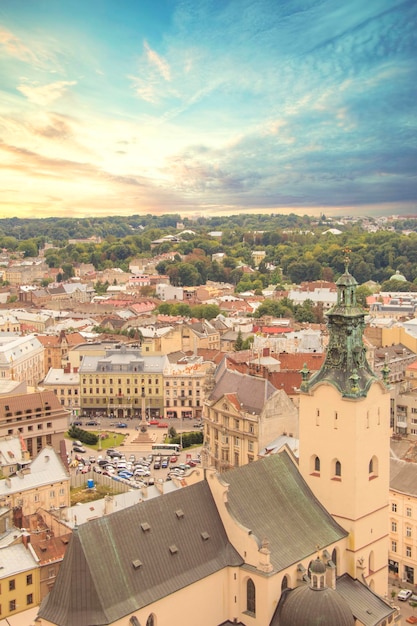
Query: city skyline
x=207 y=107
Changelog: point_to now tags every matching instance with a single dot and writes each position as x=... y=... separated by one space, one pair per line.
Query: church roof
x=131 y=558
x=119 y=563
x=270 y=498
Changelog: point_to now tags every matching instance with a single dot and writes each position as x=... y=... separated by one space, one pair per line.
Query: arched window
x=317 y=464
x=284 y=584
x=373 y=467
x=250 y=596
x=338 y=468
x=150 y=621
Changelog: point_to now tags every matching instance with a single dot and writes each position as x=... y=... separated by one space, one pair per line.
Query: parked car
x=404 y=594
x=173 y=459
x=121 y=425
x=77 y=423
x=77 y=443
x=79 y=449
x=153 y=422
x=164 y=462
x=163 y=425
x=157 y=465
x=413 y=599
x=91 y=423
x=113 y=453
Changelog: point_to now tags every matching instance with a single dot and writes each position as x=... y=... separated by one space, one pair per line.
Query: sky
x=207 y=107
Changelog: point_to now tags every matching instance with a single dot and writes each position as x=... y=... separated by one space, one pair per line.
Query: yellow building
x=44 y=484
x=114 y=383
x=242 y=415
x=19 y=580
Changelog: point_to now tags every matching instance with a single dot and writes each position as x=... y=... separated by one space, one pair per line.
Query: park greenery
x=297 y=249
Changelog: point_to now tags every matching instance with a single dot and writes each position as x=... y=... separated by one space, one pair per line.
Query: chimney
x=108 y=505
x=26 y=539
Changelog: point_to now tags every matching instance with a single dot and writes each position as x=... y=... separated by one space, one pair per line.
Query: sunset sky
x=204 y=107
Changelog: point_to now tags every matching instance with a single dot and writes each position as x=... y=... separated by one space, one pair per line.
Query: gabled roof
x=251 y=392
x=129 y=559
x=270 y=498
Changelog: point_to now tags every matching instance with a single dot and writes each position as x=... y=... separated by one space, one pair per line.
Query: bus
x=169 y=448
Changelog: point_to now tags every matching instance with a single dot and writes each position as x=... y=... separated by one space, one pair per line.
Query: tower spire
x=345 y=365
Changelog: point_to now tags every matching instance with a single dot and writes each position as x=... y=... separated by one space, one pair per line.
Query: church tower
x=344 y=441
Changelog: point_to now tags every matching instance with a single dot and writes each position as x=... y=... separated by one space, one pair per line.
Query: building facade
x=115 y=383
x=38 y=418
x=241 y=416
x=21 y=359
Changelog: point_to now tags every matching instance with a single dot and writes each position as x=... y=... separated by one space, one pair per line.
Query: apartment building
x=402 y=556
x=37 y=417
x=21 y=359
x=44 y=484
x=115 y=383
x=56 y=347
x=242 y=415
x=65 y=384
x=184 y=385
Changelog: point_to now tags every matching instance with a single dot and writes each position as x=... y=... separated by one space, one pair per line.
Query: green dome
x=398 y=276
x=305 y=606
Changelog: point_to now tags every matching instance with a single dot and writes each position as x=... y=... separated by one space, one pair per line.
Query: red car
x=163 y=425
x=154 y=423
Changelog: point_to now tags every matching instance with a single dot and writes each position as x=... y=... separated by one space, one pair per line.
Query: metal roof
x=270 y=497
x=124 y=561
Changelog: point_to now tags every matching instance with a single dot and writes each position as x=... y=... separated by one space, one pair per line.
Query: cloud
x=58 y=128
x=13 y=47
x=45 y=94
x=158 y=62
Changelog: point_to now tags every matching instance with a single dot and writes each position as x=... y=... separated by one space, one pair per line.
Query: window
x=408 y=511
x=150 y=621
x=29 y=579
x=408 y=551
x=250 y=596
x=29 y=598
x=12 y=605
x=393 y=546
x=338 y=468
x=394 y=527
x=408 y=531
x=317 y=464
x=394 y=507
x=12 y=584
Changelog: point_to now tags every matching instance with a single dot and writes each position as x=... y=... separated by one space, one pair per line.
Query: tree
x=239 y=342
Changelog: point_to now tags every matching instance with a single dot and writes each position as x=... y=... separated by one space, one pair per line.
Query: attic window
x=173 y=549
x=205 y=536
x=64 y=540
x=179 y=513
x=137 y=564
x=145 y=526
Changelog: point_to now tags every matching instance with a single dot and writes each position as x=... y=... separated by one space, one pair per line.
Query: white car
x=404 y=594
